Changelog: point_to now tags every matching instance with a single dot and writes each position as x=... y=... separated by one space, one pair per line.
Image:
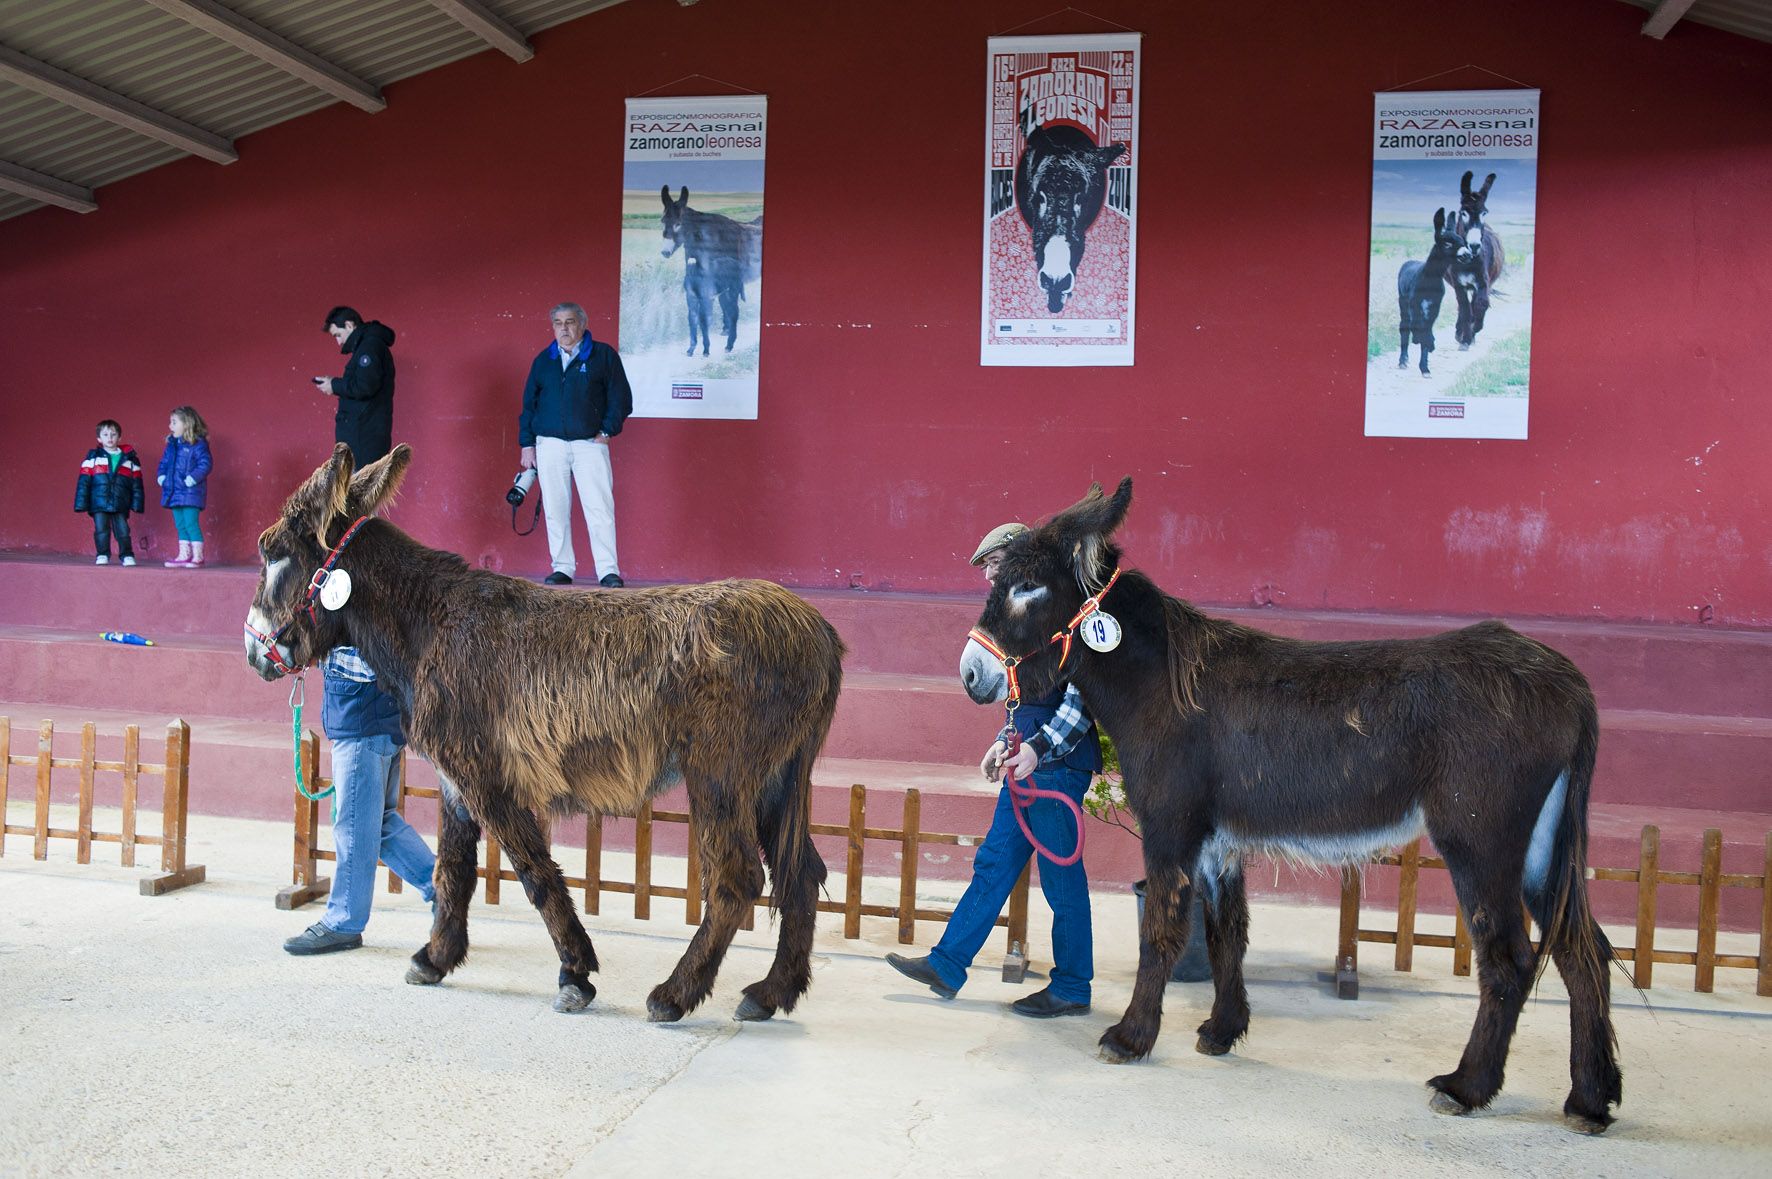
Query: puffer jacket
x=365 y=417
x=101 y=490
x=184 y=460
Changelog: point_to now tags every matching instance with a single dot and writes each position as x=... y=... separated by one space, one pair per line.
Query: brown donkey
x=1234 y=741
x=532 y=700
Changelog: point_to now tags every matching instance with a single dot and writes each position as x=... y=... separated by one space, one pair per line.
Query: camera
x=520 y=486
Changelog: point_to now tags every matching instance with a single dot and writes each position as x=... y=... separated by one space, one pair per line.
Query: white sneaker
x=104 y=561
x=129 y=560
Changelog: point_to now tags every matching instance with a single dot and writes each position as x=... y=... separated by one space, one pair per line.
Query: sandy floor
x=171 y=1036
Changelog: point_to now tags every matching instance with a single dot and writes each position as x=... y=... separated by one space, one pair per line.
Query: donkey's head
x=290 y=625
x=672 y=219
x=1447 y=242
x=1473 y=206
x=1066 y=184
x=1044 y=577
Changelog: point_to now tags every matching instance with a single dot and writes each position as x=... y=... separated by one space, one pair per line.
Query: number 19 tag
x=1100 y=631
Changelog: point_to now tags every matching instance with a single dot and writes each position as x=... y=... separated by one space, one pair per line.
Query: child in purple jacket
x=184 y=482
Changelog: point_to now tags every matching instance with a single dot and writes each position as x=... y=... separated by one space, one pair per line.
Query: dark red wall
x=488 y=190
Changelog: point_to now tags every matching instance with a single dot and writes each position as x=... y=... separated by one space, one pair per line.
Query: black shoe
x=919 y=970
x=556 y=578
x=612 y=581
x=317 y=939
x=1043 y=1004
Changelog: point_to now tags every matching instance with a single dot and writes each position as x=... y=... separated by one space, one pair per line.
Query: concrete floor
x=171 y=1035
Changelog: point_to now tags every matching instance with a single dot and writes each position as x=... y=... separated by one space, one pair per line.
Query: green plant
x=1106 y=797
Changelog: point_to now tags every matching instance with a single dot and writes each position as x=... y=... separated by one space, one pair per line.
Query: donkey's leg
x=734 y=881
x=1596 y=1084
x=519 y=833
x=458 y=837
x=1489 y=888
x=1161 y=938
x=797 y=872
x=1227 y=940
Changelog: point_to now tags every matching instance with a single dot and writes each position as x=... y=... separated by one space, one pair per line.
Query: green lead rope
x=297 y=696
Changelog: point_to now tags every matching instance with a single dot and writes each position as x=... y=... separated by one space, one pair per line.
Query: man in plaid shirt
x=1059 y=751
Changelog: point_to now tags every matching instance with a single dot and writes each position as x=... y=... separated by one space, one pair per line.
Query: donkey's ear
x=1487 y=181
x=323 y=495
x=373 y=488
x=683 y=197
x=1439 y=222
x=1088 y=527
x=664 y=192
x=1464 y=184
x=1107 y=155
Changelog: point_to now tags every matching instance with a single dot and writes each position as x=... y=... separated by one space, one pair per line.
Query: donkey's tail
x=1555 y=884
x=794 y=862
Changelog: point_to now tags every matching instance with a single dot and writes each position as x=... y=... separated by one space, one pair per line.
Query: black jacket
x=101 y=491
x=589 y=397
x=365 y=418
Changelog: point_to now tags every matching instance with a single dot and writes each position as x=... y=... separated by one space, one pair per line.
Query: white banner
x=1454 y=216
x=692 y=254
x=1061 y=174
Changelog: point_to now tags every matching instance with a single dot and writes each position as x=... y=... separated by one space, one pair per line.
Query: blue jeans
x=366 y=827
x=997 y=867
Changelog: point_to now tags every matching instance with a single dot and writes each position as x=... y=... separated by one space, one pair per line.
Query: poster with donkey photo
x=1449 y=296
x=692 y=254
x=1060 y=188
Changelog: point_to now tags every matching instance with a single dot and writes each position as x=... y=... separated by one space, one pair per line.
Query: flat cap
x=995 y=539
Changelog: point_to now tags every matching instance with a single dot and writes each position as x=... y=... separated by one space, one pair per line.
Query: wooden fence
x=174 y=772
x=308 y=884
x=1641 y=958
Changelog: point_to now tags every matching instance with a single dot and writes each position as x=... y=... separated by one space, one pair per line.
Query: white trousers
x=558 y=464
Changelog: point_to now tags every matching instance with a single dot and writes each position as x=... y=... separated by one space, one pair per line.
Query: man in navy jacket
x=574 y=402
x=365 y=417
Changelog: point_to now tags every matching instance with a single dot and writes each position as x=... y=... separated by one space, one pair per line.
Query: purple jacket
x=181 y=459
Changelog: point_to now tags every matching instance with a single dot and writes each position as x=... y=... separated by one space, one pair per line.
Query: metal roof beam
x=489 y=27
x=42 y=78
x=47 y=189
x=1666 y=15
x=281 y=52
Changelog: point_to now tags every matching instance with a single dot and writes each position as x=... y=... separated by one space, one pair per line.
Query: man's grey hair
x=574 y=308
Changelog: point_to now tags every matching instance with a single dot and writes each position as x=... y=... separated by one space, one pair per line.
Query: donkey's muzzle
x=981 y=675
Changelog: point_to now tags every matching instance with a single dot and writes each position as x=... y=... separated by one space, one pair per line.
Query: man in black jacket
x=365 y=417
x=574 y=402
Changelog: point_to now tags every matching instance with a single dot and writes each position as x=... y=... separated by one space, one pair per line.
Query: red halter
x=318 y=580
x=1010 y=662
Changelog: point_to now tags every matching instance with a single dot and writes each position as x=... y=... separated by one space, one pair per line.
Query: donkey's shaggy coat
x=1233 y=740
x=532 y=700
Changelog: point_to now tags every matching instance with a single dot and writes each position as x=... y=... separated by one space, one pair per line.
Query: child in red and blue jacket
x=110 y=488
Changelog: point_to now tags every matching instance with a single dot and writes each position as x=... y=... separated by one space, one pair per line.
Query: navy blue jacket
x=590 y=397
x=365 y=417
x=353 y=708
x=181 y=459
x=99 y=490
x=1032 y=714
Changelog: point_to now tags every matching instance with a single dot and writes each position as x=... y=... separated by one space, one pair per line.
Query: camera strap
x=532 y=519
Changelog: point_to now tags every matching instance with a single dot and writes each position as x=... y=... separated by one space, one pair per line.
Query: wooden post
x=858 y=803
x=307 y=882
x=494 y=870
x=1018 y=910
x=1648 y=879
x=1461 y=943
x=691 y=882
x=1765 y=988
x=1408 y=881
x=132 y=772
x=593 y=864
x=400 y=809
x=907 y=869
x=1709 y=890
x=174 y=815
x=5 y=775
x=643 y=863
x=45 y=756
x=88 y=756
x=1347 y=950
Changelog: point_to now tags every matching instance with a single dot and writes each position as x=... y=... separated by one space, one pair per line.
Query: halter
x=315 y=583
x=1063 y=637
x=1022 y=796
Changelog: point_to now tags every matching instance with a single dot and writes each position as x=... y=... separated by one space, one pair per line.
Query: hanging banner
x=1061 y=181
x=692 y=255
x=1449 y=312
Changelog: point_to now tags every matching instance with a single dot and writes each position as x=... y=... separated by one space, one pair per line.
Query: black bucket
x=1194 y=965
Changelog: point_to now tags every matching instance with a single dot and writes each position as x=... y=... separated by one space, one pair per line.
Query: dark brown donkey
x=531 y=700
x=1235 y=741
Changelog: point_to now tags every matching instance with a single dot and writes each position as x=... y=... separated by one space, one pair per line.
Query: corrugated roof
x=135 y=49
x=1746 y=18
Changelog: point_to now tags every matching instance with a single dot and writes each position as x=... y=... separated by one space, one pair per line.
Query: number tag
x=1100 y=631
x=335 y=591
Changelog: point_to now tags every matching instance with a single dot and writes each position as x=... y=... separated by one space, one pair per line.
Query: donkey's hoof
x=421 y=973
x=1207 y=1046
x=574 y=997
x=1445 y=1103
x=661 y=1010
x=750 y=1011
x=1115 y=1050
x=1583 y=1124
